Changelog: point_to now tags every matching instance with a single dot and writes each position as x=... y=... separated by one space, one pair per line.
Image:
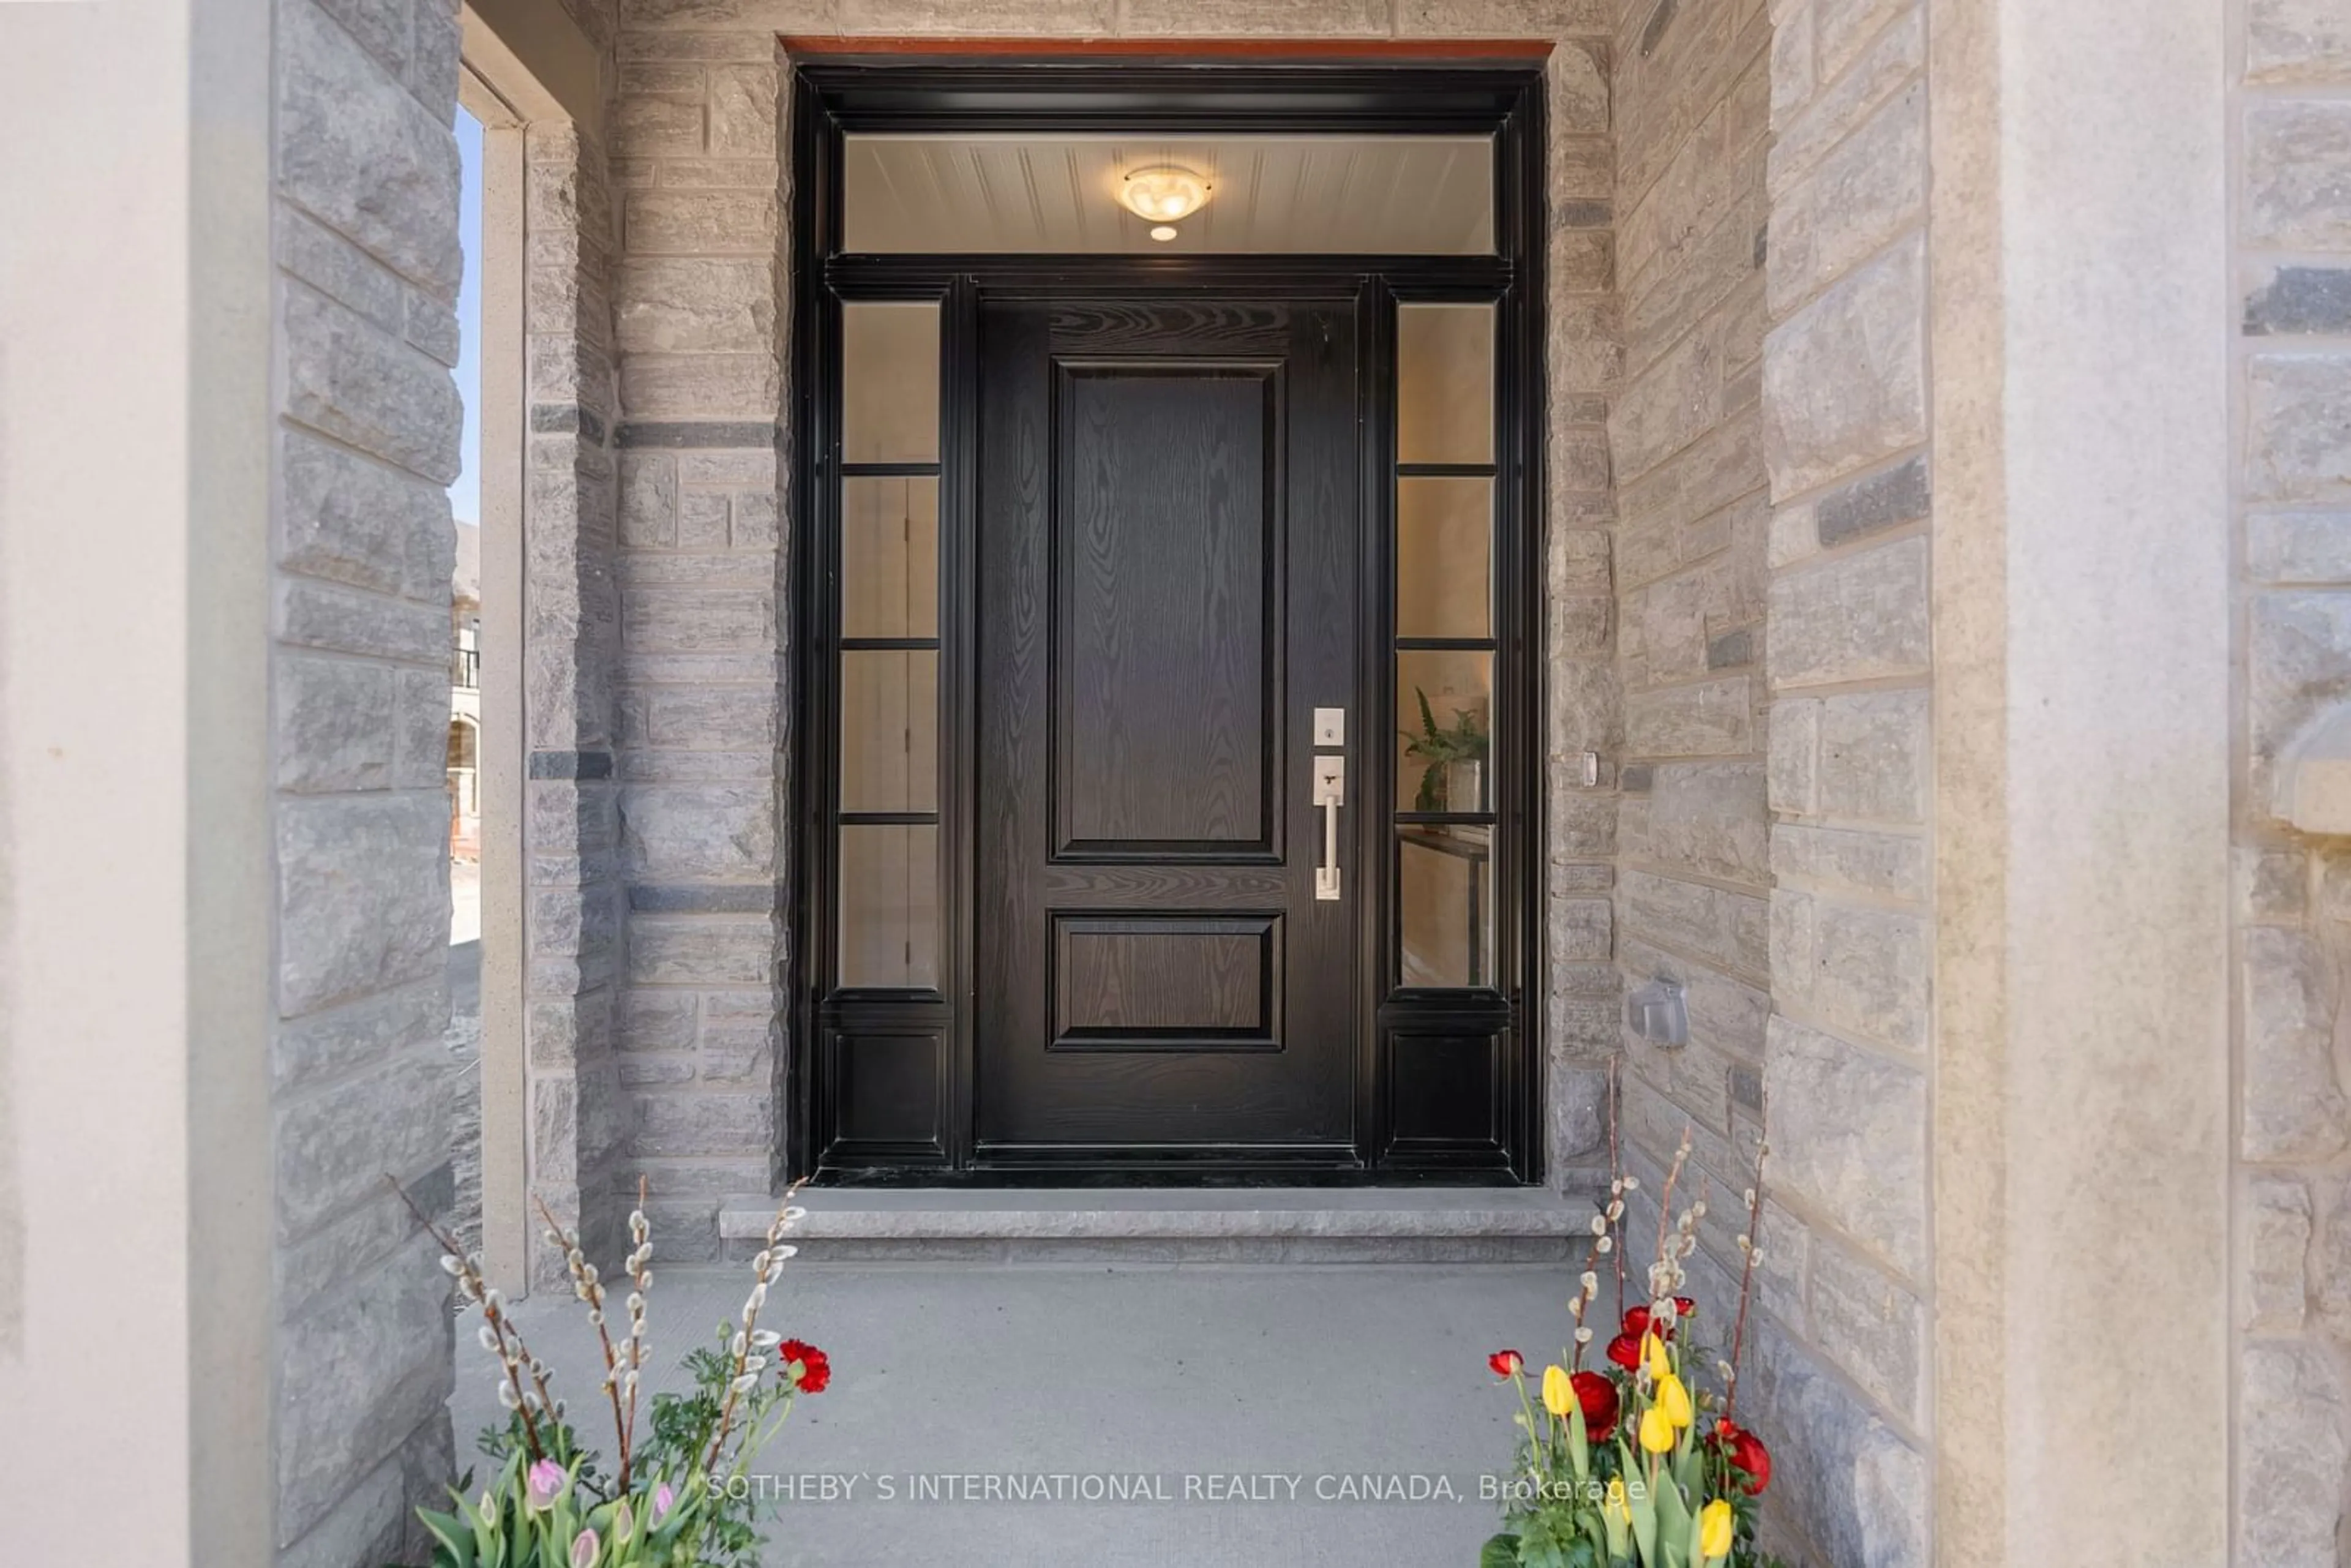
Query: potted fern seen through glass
x=1453 y=758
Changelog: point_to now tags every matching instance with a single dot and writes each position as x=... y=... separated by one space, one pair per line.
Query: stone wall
x=1845 y=1366
x=366 y=240
x=1585 y=364
x=1692 y=92
x=699 y=301
x=572 y=914
x=2293 y=239
x=1771 y=567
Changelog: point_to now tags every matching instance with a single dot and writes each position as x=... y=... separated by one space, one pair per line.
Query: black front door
x=1167 y=537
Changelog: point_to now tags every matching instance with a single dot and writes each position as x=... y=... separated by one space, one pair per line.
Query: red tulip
x=1506 y=1363
x=1597 y=1395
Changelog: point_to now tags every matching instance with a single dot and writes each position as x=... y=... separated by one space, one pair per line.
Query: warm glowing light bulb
x=1163 y=234
x=1163 y=194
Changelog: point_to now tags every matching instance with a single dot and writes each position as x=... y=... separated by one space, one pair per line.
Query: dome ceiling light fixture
x=1164 y=194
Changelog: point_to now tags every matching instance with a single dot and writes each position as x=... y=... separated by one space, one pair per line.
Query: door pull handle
x=1330 y=794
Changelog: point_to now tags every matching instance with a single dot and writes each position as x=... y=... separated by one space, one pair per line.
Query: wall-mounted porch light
x=1657 y=1012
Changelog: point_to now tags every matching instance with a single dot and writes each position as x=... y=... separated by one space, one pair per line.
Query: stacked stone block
x=700 y=307
x=2293 y=256
x=1844 y=1363
x=1583 y=364
x=1693 y=104
x=365 y=233
x=572 y=611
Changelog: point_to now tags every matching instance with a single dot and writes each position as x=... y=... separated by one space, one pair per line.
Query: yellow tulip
x=1675 y=1400
x=1558 y=1391
x=1714 y=1530
x=1653 y=1353
x=1616 y=1505
x=1657 y=1432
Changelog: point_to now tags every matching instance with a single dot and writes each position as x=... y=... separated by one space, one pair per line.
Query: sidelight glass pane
x=1444 y=544
x=889 y=730
x=890 y=382
x=889 y=906
x=1446 y=905
x=1445 y=383
x=889 y=556
x=1445 y=713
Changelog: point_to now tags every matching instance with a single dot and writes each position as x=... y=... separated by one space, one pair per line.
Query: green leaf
x=1579 y=1446
x=1500 y=1551
x=1675 y=1523
x=1642 y=1499
x=455 y=1540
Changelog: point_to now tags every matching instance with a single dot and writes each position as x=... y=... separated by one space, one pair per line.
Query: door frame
x=1208 y=93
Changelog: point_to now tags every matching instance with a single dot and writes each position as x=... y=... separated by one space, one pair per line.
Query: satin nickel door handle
x=1330 y=794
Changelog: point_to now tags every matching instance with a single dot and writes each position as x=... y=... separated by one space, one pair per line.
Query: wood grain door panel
x=1168 y=510
x=1166 y=547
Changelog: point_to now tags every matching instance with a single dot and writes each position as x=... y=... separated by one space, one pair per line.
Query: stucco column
x=136 y=889
x=2081 y=595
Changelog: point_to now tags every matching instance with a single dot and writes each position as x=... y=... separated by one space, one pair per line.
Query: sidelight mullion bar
x=889 y=645
x=886 y=818
x=1446 y=470
x=889 y=470
x=1446 y=645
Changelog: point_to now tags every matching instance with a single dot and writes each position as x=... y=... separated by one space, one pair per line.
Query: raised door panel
x=1166 y=982
x=1165 y=545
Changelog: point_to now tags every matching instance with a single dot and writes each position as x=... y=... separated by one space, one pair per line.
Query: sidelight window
x=887 y=670
x=1444 y=645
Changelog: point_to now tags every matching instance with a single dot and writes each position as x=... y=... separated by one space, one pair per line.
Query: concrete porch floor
x=1322 y=1375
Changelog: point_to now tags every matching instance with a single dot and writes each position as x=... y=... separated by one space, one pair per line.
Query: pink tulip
x=584 y=1549
x=663 y=1500
x=544 y=1484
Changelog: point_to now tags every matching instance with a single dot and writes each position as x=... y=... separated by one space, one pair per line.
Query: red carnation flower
x=1506 y=1363
x=816 y=1370
x=1624 y=1350
x=1597 y=1395
x=1746 y=1453
x=1636 y=1322
x=1685 y=1307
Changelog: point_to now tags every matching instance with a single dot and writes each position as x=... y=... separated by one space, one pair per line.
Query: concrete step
x=1176 y=1225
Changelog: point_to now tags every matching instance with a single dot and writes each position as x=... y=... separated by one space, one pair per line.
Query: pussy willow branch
x=1666 y=1198
x=510 y=1359
x=593 y=1292
x=750 y=1325
x=1616 y=1170
x=1584 y=1303
x=639 y=1281
x=1746 y=1270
